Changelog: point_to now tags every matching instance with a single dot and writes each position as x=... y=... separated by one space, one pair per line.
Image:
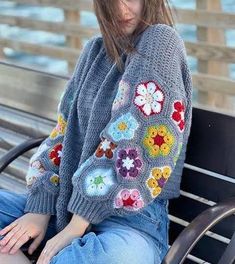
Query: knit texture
x=121 y=137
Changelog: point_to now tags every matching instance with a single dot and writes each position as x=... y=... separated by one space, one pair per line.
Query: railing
x=213 y=85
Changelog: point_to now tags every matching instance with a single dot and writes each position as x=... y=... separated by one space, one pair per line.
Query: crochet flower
x=35 y=170
x=158 y=178
x=129 y=199
x=124 y=127
x=99 y=181
x=149 y=98
x=30 y=180
x=105 y=148
x=128 y=163
x=60 y=127
x=158 y=140
x=56 y=154
x=55 y=180
x=178 y=114
x=122 y=95
x=37 y=165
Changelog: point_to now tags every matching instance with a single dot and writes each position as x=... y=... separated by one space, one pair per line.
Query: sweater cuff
x=41 y=203
x=91 y=211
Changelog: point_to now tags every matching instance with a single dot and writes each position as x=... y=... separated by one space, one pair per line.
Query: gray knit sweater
x=121 y=137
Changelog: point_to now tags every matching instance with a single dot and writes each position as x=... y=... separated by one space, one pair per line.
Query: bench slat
x=187 y=209
x=31 y=91
x=24 y=123
x=207 y=186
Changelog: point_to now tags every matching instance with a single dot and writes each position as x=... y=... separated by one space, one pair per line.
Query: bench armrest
x=17 y=151
x=196 y=229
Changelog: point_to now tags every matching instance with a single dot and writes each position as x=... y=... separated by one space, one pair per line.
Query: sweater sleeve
x=139 y=147
x=42 y=178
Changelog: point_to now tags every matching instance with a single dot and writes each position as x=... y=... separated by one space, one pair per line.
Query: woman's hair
x=115 y=41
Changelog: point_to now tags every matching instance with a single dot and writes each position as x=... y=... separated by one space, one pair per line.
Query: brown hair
x=154 y=12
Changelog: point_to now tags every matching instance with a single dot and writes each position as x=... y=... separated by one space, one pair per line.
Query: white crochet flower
x=149 y=98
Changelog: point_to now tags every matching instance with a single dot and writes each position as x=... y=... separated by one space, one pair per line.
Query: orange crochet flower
x=105 y=148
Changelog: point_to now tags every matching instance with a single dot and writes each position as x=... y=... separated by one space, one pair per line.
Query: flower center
x=128 y=202
x=98 y=180
x=149 y=98
x=122 y=126
x=158 y=140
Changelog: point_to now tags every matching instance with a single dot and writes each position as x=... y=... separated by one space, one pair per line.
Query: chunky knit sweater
x=120 y=139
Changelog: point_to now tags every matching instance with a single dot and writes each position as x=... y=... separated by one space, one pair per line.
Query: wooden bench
x=25 y=112
x=202 y=219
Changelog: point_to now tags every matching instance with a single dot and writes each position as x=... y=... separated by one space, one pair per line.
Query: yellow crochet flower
x=162 y=130
x=60 y=127
x=165 y=149
x=156 y=191
x=152 y=183
x=154 y=151
x=166 y=172
x=158 y=140
x=169 y=139
x=157 y=173
x=157 y=180
x=148 y=141
x=152 y=131
x=55 y=179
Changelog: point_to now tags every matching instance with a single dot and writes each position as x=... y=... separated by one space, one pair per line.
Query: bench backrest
x=28 y=107
x=29 y=90
x=208 y=178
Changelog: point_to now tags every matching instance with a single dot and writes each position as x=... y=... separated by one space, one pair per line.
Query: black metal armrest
x=17 y=151
x=197 y=228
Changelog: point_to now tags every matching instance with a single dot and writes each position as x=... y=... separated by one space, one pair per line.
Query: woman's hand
x=76 y=228
x=26 y=227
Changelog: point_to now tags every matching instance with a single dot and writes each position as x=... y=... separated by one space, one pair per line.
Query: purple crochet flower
x=128 y=163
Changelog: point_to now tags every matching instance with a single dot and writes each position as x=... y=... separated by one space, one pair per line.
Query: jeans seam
x=155 y=222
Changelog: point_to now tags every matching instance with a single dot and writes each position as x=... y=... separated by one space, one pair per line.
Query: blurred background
x=48 y=35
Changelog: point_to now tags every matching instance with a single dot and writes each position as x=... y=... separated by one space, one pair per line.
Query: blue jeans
x=136 y=239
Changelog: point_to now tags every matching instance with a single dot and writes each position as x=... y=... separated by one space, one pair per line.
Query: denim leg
x=12 y=207
x=113 y=243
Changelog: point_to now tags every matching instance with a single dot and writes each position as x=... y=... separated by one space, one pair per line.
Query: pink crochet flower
x=130 y=199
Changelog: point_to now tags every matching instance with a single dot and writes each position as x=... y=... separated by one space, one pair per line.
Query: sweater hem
x=92 y=211
x=42 y=203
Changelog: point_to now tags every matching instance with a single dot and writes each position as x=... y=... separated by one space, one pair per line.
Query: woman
x=99 y=185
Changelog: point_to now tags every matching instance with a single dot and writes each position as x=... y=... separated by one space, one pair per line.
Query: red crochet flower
x=55 y=154
x=178 y=114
